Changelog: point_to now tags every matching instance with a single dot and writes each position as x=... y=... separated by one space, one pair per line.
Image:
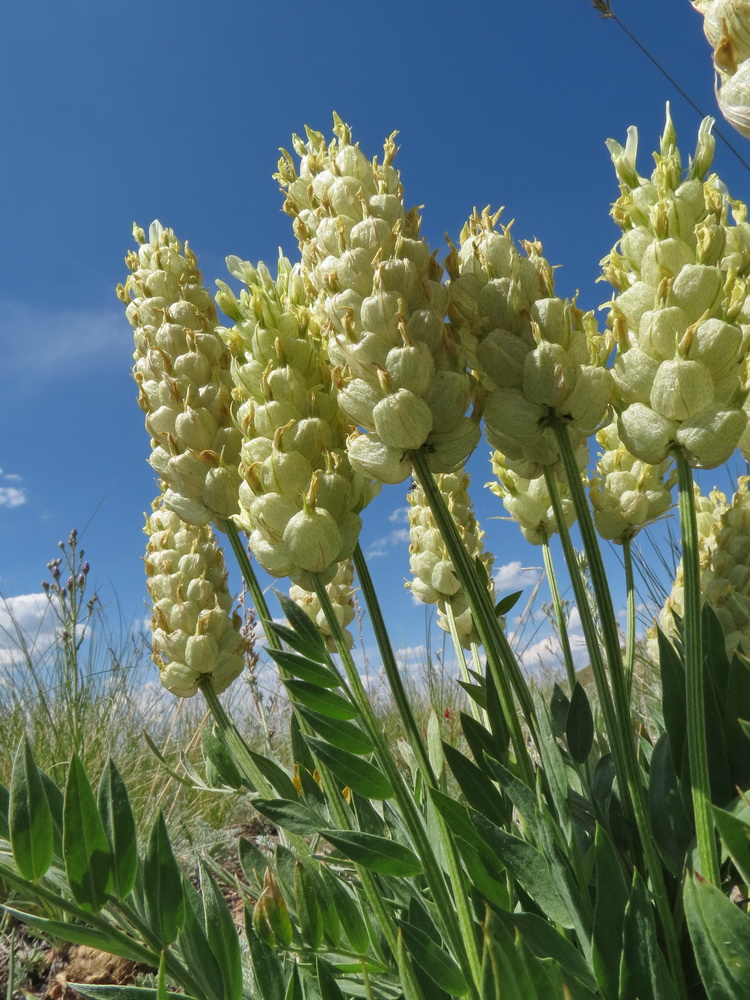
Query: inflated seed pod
x=182 y=371
x=527 y=500
x=434 y=577
x=681 y=351
x=378 y=300
x=533 y=352
x=195 y=631
x=341 y=592
x=300 y=497
x=625 y=492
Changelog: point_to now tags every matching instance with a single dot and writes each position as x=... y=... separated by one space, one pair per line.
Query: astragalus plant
x=564 y=850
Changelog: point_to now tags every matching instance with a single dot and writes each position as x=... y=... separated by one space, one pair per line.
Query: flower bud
x=402 y=420
x=681 y=389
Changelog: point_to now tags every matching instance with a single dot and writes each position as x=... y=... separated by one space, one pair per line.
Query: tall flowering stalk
x=680 y=274
x=196 y=631
x=727 y=28
x=381 y=304
x=434 y=576
x=184 y=382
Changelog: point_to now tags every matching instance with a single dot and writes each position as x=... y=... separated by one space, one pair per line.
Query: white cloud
x=513 y=576
x=381 y=546
x=27 y=612
x=547 y=653
x=399 y=514
x=11 y=497
x=66 y=337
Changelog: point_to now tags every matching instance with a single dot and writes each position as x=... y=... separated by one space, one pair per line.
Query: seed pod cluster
x=625 y=492
x=680 y=318
x=724 y=544
x=434 y=577
x=195 y=631
x=341 y=592
x=537 y=355
x=299 y=496
x=381 y=305
x=527 y=501
x=184 y=382
x=727 y=27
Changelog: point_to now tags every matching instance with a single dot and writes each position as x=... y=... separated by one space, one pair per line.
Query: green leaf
x=192 y=941
x=275 y=774
x=119 y=826
x=346 y=735
x=495 y=715
x=321 y=700
x=476 y=692
x=559 y=706
x=88 y=862
x=360 y=775
x=329 y=988
x=295 y=990
x=720 y=932
x=252 y=861
x=609 y=913
x=293 y=816
x=123 y=992
x=267 y=970
x=218 y=755
x=672 y=674
x=505 y=967
x=55 y=801
x=479 y=791
x=377 y=854
x=29 y=817
x=507 y=603
x=162 y=885
x=579 y=725
x=433 y=960
x=297 y=642
x=307 y=896
x=480 y=741
x=528 y=866
x=222 y=935
x=349 y=913
x=306 y=669
x=671 y=826
x=303 y=626
x=735 y=834
x=737 y=707
x=643 y=970
x=113 y=942
x=4 y=807
x=542 y=938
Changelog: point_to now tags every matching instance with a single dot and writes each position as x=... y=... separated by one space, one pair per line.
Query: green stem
x=461 y=893
x=506 y=673
x=461 y=938
x=372 y=891
x=562 y=625
x=251 y=581
x=627 y=557
x=700 y=784
x=615 y=703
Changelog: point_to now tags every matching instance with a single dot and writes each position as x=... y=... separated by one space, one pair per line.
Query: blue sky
x=176 y=110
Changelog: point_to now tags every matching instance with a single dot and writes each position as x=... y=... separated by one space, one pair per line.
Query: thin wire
x=606 y=11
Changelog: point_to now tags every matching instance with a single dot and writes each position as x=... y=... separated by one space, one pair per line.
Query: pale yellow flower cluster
x=435 y=580
x=527 y=501
x=195 y=632
x=678 y=318
x=341 y=593
x=625 y=492
x=727 y=28
x=381 y=304
x=537 y=355
x=724 y=541
x=182 y=371
x=299 y=496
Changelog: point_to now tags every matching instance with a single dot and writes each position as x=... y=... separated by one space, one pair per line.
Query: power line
x=605 y=9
